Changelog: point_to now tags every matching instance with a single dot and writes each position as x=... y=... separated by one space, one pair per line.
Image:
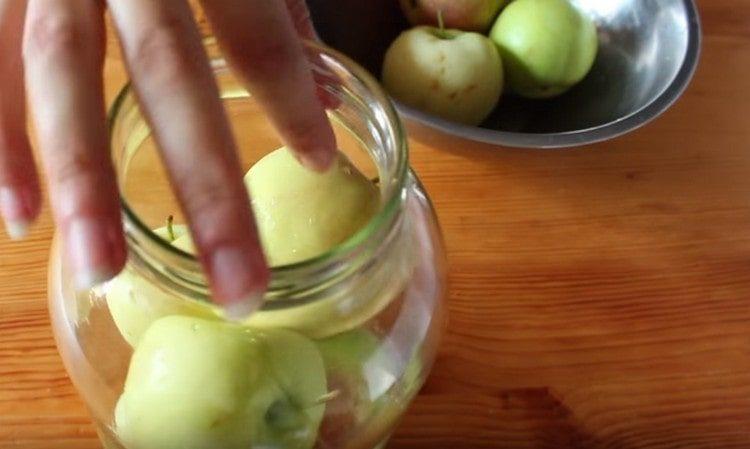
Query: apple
x=135 y=302
x=200 y=384
x=185 y=243
x=453 y=74
x=369 y=392
x=547 y=46
x=345 y=356
x=302 y=217
x=300 y=213
x=467 y=15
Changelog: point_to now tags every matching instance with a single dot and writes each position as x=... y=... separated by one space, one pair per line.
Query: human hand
x=60 y=47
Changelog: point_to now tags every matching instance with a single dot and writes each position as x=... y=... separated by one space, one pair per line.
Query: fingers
x=19 y=184
x=323 y=77
x=261 y=42
x=177 y=91
x=63 y=54
x=300 y=16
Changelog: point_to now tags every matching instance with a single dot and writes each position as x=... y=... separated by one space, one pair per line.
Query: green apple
x=467 y=15
x=453 y=74
x=185 y=243
x=362 y=372
x=345 y=356
x=547 y=46
x=302 y=214
x=348 y=351
x=135 y=302
x=199 y=384
x=302 y=217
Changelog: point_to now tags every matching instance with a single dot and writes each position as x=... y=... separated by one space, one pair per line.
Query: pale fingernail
x=242 y=309
x=89 y=247
x=319 y=160
x=15 y=212
x=16 y=230
x=239 y=279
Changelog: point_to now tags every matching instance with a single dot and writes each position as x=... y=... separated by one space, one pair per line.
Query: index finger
x=175 y=85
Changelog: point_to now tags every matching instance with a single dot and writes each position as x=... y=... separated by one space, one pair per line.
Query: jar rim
x=280 y=274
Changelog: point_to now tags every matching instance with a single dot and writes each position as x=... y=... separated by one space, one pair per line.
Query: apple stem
x=170 y=228
x=442 y=33
x=331 y=395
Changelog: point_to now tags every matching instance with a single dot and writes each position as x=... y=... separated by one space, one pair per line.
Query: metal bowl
x=648 y=52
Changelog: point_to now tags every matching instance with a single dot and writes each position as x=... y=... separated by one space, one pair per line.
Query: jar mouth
x=324 y=267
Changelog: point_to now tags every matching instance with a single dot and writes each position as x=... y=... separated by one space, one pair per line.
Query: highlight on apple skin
x=308 y=213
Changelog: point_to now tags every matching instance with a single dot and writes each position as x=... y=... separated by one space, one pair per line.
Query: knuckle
x=304 y=131
x=298 y=11
x=52 y=35
x=269 y=60
x=78 y=169
x=159 y=53
x=214 y=208
x=213 y=200
x=301 y=17
x=80 y=184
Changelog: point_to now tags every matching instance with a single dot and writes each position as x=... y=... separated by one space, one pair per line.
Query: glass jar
x=343 y=342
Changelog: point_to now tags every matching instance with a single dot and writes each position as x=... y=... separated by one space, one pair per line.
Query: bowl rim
x=586 y=136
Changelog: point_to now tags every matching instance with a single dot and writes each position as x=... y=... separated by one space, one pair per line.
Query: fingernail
x=16 y=211
x=319 y=160
x=239 y=279
x=90 y=245
x=242 y=309
x=16 y=230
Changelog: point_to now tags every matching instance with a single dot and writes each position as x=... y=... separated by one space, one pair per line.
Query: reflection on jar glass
x=343 y=342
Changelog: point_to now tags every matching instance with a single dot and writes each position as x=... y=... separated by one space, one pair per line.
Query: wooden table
x=600 y=297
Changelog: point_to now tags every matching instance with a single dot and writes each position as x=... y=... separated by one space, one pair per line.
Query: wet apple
x=135 y=302
x=200 y=384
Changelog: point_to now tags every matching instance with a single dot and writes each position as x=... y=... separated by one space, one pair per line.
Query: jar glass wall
x=343 y=342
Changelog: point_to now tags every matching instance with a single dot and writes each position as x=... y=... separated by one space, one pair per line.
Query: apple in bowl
x=547 y=46
x=453 y=74
x=467 y=15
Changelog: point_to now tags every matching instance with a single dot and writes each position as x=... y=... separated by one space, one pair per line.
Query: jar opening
x=364 y=112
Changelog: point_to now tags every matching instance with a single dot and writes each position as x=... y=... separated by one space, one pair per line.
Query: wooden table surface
x=600 y=297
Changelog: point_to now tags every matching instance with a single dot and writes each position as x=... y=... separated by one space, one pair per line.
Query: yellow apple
x=135 y=302
x=302 y=214
x=199 y=384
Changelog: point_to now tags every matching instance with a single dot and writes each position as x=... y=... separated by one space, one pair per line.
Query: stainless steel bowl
x=648 y=52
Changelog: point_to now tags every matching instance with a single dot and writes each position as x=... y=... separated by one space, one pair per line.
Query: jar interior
x=363 y=122
x=144 y=183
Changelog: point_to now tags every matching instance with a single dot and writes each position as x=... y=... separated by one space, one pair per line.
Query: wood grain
x=599 y=296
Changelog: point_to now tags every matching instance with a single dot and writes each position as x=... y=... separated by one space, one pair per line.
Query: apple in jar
x=200 y=384
x=547 y=46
